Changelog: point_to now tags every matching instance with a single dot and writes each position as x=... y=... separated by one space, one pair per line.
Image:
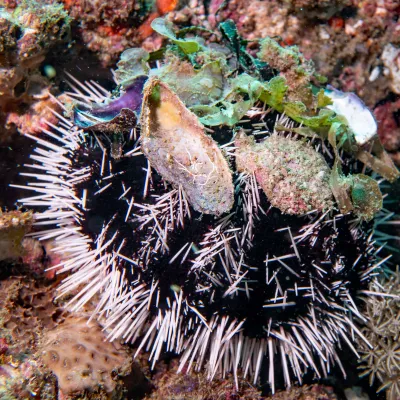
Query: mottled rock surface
x=291 y=173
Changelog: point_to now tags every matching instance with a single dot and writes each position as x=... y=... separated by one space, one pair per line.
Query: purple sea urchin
x=251 y=288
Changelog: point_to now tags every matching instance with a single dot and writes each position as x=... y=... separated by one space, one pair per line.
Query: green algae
x=366 y=196
x=165 y=28
x=133 y=63
x=195 y=86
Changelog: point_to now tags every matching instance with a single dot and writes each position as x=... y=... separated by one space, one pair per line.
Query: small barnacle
x=174 y=142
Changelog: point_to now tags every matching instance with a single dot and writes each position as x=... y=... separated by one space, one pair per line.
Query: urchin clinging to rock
x=192 y=242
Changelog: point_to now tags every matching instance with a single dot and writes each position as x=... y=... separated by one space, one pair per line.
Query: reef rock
x=27 y=33
x=306 y=392
x=170 y=385
x=13 y=226
x=27 y=310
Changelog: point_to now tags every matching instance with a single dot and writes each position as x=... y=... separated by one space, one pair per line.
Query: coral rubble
x=108 y=27
x=26 y=311
x=389 y=127
x=47 y=352
x=390 y=59
x=170 y=385
x=306 y=392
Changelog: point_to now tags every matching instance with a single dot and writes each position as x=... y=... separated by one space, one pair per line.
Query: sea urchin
x=186 y=253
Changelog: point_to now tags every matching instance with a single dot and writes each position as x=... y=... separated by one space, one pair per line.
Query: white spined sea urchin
x=253 y=288
x=226 y=280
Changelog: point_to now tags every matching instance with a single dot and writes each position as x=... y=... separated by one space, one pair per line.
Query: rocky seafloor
x=48 y=349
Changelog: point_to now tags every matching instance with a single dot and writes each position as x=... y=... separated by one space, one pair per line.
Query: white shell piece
x=374 y=74
x=359 y=117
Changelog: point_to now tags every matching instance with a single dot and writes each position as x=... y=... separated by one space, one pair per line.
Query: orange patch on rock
x=165 y=6
x=336 y=23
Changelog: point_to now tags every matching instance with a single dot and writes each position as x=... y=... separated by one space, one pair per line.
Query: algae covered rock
x=293 y=66
x=13 y=227
x=27 y=310
x=28 y=31
x=292 y=174
x=366 y=196
x=175 y=143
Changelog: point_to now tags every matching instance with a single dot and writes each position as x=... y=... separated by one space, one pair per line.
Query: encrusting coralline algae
x=292 y=174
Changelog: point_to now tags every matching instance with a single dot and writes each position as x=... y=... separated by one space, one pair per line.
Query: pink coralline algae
x=389 y=128
x=293 y=175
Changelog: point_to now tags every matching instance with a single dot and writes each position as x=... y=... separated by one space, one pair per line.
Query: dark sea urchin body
x=251 y=288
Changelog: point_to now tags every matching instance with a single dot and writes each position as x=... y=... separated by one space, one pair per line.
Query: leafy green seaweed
x=165 y=28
